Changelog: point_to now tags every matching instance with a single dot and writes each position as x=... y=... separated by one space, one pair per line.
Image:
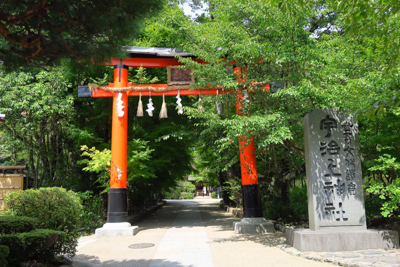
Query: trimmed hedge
x=54 y=207
x=17 y=224
x=38 y=244
x=4 y=251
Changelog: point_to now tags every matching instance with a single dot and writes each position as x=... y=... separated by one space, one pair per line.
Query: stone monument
x=336 y=208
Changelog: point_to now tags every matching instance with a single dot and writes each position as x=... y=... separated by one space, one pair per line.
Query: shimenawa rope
x=94 y=87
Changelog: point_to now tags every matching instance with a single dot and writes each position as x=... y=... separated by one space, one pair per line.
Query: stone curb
x=239 y=214
x=360 y=258
x=234 y=211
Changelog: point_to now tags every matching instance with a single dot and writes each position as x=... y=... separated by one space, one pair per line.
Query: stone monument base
x=116 y=229
x=333 y=241
x=253 y=225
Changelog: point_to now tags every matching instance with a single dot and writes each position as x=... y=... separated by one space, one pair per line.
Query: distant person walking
x=204 y=191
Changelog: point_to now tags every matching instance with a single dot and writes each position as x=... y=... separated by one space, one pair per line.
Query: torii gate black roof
x=154 y=52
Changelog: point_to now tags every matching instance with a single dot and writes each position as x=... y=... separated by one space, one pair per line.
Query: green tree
x=387 y=187
x=99 y=162
x=187 y=186
x=312 y=60
x=39 y=123
x=43 y=31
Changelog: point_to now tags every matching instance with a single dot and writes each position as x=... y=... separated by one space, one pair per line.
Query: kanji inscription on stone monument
x=334 y=178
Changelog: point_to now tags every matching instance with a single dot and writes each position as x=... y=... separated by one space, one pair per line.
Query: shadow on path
x=162 y=218
x=92 y=261
x=222 y=221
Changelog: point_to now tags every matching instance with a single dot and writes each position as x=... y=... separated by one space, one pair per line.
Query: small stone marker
x=334 y=178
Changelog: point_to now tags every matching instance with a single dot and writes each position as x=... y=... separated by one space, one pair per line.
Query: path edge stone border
x=348 y=256
x=236 y=212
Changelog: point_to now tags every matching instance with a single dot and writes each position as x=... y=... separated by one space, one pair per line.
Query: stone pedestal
x=332 y=241
x=253 y=225
x=116 y=229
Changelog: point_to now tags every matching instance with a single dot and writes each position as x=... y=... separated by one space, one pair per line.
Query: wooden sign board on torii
x=120 y=91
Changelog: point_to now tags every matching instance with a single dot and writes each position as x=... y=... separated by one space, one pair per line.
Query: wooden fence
x=10 y=183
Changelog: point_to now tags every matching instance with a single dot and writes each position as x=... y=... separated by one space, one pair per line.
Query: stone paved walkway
x=185 y=242
x=361 y=258
x=198 y=233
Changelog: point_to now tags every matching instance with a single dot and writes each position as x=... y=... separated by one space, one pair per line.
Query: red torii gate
x=156 y=58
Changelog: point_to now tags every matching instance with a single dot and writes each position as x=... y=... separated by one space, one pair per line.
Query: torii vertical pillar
x=117 y=194
x=253 y=220
x=117 y=215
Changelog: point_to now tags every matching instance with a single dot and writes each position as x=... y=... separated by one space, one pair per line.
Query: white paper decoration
x=150 y=106
x=178 y=102
x=120 y=106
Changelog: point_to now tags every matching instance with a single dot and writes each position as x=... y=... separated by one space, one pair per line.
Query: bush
x=174 y=193
x=54 y=207
x=4 y=251
x=390 y=194
x=214 y=194
x=186 y=186
x=39 y=244
x=169 y=195
x=17 y=224
x=299 y=201
x=234 y=190
x=297 y=209
x=373 y=204
x=186 y=195
x=279 y=210
x=90 y=217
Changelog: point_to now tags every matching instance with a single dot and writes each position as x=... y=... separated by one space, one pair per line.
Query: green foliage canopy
x=41 y=32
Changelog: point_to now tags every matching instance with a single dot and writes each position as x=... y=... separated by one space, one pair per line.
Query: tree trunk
x=231 y=174
x=222 y=182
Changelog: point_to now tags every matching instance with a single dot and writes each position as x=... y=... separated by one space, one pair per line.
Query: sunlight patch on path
x=186 y=242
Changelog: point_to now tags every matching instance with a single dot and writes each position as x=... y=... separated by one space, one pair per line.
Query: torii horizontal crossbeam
x=148 y=62
x=153 y=89
x=84 y=91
